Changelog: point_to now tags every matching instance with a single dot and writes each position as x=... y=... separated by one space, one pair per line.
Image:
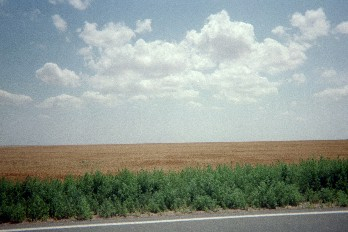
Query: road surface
x=265 y=220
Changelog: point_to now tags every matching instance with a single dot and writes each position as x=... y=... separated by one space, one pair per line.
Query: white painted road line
x=179 y=220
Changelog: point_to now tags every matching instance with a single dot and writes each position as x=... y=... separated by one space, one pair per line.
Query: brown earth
x=59 y=161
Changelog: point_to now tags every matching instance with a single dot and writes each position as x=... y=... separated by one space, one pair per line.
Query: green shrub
x=17 y=213
x=153 y=206
x=157 y=202
x=312 y=196
x=342 y=198
x=82 y=209
x=56 y=200
x=204 y=203
x=287 y=194
x=107 y=209
x=266 y=196
x=59 y=206
x=131 y=205
x=37 y=209
x=327 y=195
x=278 y=185
x=237 y=200
x=73 y=196
x=13 y=213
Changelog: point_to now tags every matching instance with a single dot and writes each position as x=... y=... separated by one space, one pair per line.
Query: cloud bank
x=222 y=61
x=7 y=98
x=77 y=4
x=52 y=74
x=333 y=93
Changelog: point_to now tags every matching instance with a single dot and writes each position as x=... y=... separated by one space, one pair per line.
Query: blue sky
x=89 y=72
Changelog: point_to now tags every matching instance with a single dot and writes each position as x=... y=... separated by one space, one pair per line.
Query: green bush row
x=262 y=186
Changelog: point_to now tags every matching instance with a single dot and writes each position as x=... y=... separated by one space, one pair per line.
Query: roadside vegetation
x=226 y=187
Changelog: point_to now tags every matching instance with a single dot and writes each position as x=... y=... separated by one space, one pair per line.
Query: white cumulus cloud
x=223 y=59
x=77 y=4
x=61 y=101
x=342 y=28
x=328 y=73
x=279 y=31
x=51 y=73
x=240 y=85
x=222 y=38
x=333 y=93
x=86 y=98
x=112 y=35
x=80 y=4
x=274 y=57
x=97 y=97
x=7 y=98
x=143 y=26
x=298 y=78
x=312 y=24
x=59 y=23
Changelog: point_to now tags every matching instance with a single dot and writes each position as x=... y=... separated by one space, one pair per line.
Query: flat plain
x=18 y=162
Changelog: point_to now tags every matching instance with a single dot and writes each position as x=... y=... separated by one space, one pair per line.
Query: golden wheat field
x=18 y=162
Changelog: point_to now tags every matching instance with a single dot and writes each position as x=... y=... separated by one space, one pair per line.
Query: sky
x=146 y=71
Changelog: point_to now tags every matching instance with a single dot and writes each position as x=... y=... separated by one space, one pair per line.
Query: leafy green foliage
x=342 y=198
x=204 y=203
x=82 y=209
x=239 y=187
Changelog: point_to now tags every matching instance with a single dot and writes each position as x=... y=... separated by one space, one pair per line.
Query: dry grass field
x=58 y=161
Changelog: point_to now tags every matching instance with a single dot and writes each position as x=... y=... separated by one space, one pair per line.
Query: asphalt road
x=278 y=220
